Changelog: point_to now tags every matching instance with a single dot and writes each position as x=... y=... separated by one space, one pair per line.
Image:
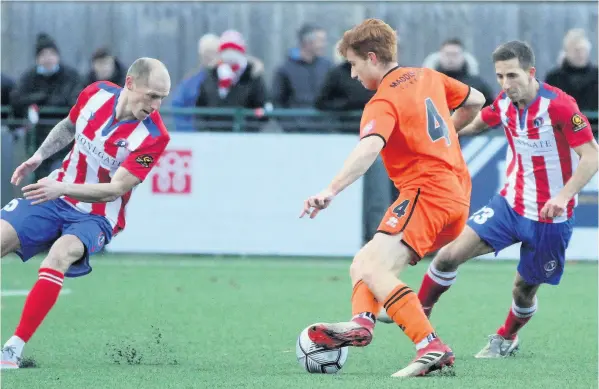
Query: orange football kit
x=411 y=113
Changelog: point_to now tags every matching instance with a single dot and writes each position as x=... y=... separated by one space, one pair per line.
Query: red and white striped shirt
x=103 y=144
x=540 y=157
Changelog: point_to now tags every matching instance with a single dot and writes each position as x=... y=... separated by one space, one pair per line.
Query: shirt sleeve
x=82 y=99
x=456 y=92
x=490 y=115
x=378 y=119
x=573 y=124
x=141 y=161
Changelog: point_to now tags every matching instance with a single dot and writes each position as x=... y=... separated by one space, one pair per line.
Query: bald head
x=148 y=70
x=148 y=83
x=208 y=50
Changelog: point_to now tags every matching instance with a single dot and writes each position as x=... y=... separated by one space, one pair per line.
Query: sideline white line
x=25 y=292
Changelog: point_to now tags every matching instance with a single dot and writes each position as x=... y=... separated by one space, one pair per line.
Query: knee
x=358 y=268
x=64 y=253
x=354 y=271
x=362 y=268
x=446 y=260
x=523 y=294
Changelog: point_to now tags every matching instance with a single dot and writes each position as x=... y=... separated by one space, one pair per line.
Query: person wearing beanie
x=235 y=82
x=105 y=67
x=48 y=83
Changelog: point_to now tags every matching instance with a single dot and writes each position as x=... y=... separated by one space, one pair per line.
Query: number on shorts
x=400 y=210
x=482 y=215
x=11 y=206
x=436 y=126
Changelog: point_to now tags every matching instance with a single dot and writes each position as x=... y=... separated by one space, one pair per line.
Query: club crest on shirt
x=144 y=160
x=121 y=143
x=577 y=122
x=538 y=122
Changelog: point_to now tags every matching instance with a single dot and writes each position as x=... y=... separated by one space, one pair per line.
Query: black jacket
x=60 y=89
x=580 y=83
x=463 y=75
x=249 y=92
x=341 y=93
x=296 y=83
x=7 y=86
x=118 y=77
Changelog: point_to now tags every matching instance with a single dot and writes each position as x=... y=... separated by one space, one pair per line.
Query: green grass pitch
x=184 y=322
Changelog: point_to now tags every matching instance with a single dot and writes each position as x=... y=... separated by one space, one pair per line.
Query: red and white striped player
x=552 y=155
x=119 y=137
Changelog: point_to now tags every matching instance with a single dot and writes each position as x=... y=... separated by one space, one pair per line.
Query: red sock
x=516 y=319
x=39 y=301
x=434 y=284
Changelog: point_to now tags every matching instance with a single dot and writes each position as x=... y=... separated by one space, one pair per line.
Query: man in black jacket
x=48 y=83
x=577 y=76
x=105 y=67
x=298 y=80
x=453 y=64
x=341 y=93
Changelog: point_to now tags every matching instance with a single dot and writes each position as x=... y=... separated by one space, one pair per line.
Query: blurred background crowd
x=278 y=61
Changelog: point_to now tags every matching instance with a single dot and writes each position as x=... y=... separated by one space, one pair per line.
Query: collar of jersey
x=114 y=124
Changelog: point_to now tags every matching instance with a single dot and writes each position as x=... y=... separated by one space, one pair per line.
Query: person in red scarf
x=237 y=81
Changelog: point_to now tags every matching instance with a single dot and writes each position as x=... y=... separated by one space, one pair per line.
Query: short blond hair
x=372 y=35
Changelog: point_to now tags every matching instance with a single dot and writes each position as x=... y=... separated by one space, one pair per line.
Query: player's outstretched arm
x=357 y=164
x=586 y=169
x=469 y=109
x=122 y=182
x=47 y=189
x=60 y=136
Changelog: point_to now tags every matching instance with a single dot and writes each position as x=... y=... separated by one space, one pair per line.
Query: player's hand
x=25 y=169
x=554 y=207
x=45 y=189
x=314 y=204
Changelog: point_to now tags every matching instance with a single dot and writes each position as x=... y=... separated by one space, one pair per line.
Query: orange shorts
x=427 y=221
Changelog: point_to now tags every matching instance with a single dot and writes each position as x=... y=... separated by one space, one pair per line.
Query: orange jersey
x=411 y=112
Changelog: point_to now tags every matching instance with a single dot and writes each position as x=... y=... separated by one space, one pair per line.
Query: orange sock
x=362 y=300
x=404 y=308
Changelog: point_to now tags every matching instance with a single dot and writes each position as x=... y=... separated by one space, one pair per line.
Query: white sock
x=523 y=313
x=440 y=277
x=425 y=342
x=17 y=343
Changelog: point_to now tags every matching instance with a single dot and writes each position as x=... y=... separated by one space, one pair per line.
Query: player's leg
x=487 y=230
x=542 y=261
x=407 y=232
x=43 y=295
x=524 y=305
x=8 y=235
x=26 y=230
x=82 y=235
x=9 y=242
x=384 y=253
x=442 y=271
x=359 y=330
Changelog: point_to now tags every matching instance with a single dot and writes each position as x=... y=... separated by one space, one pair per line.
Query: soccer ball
x=316 y=359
